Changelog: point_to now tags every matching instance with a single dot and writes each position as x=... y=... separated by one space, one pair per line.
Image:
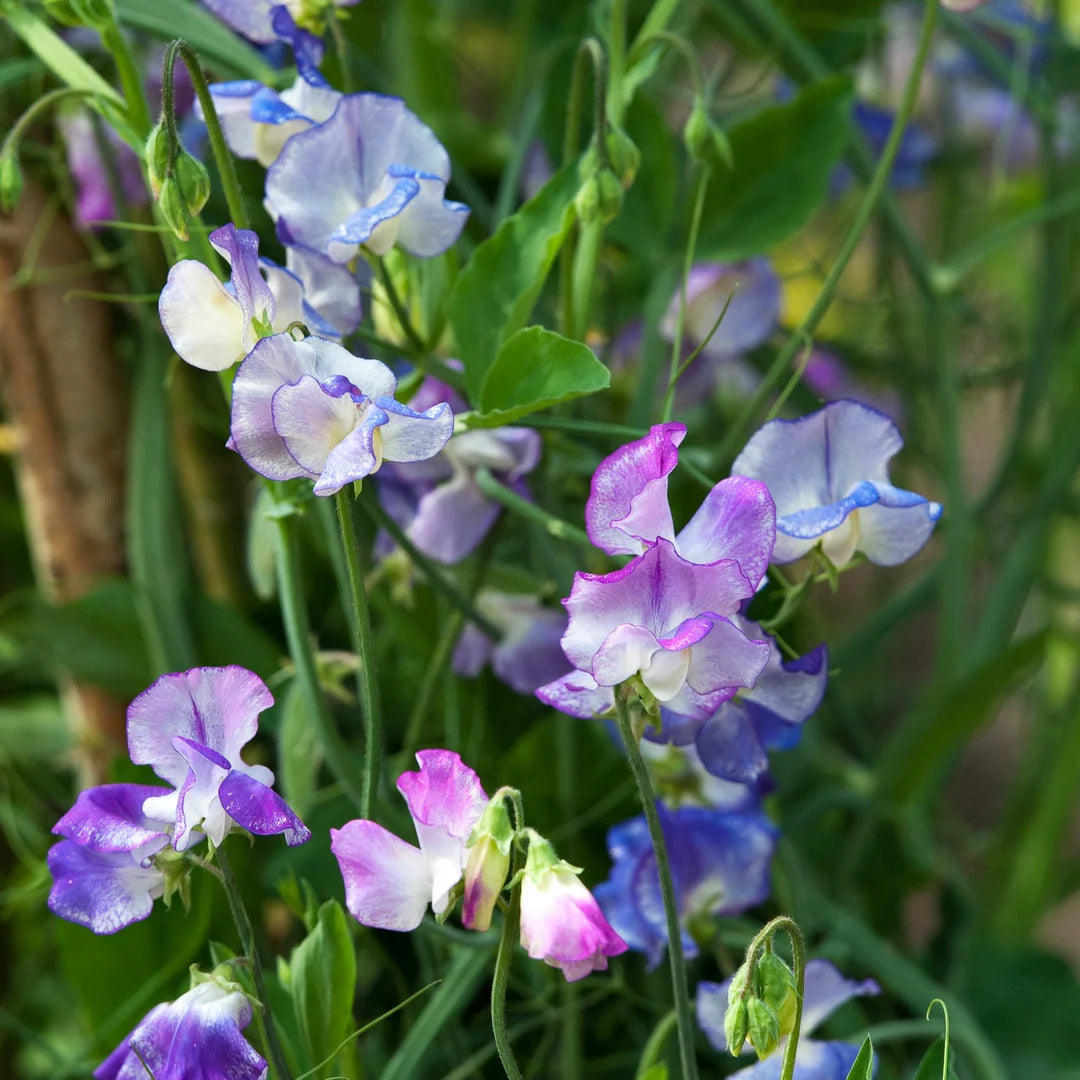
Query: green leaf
x=863 y=1068
x=659 y=1071
x=497 y=289
x=299 y=751
x=221 y=49
x=784 y=157
x=323 y=968
x=930 y=1066
x=536 y=369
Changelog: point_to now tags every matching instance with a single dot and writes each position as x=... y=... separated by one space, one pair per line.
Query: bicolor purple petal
x=828 y=475
x=259 y=809
x=111 y=818
x=196 y=1036
x=577 y=694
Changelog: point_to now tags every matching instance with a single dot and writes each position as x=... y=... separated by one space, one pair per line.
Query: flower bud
x=623 y=154
x=487 y=863
x=763 y=1027
x=11 y=182
x=173 y=210
x=194 y=181
x=736 y=1024
x=776 y=987
x=156 y=156
x=705 y=142
x=587 y=200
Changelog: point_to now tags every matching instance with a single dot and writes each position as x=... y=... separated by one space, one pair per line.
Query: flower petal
x=826 y=989
x=260 y=809
x=240 y=249
x=451 y=520
x=577 y=694
x=413 y=436
x=111 y=818
x=312 y=421
x=202 y=319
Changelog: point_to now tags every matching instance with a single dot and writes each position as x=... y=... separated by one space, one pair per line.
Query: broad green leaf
x=863 y=1068
x=299 y=751
x=323 y=972
x=536 y=369
x=227 y=53
x=497 y=289
x=784 y=157
x=930 y=1066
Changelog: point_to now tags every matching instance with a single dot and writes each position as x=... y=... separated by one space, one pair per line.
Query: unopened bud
x=487 y=864
x=173 y=210
x=623 y=155
x=156 y=156
x=763 y=1027
x=194 y=181
x=705 y=142
x=587 y=200
x=11 y=182
x=736 y=1024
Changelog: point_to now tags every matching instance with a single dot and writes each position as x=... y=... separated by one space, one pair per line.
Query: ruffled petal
x=452 y=519
x=260 y=809
x=330 y=290
x=371 y=377
x=375 y=224
x=412 y=436
x=577 y=694
x=232 y=103
x=826 y=989
x=444 y=793
x=891 y=534
x=240 y=249
x=430 y=223
x=725 y=658
x=729 y=746
x=111 y=818
x=387 y=881
x=311 y=421
x=628 y=500
x=202 y=319
x=354 y=457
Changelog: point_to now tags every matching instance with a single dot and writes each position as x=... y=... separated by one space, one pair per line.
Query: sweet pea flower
x=733 y=743
x=561 y=922
x=680 y=779
x=388 y=882
x=438 y=502
x=371 y=175
x=720 y=863
x=825 y=991
x=213 y=325
x=196 y=1036
x=190 y=728
x=829 y=476
x=528 y=654
x=310 y=408
x=94 y=200
x=667 y=615
x=104 y=875
x=257 y=120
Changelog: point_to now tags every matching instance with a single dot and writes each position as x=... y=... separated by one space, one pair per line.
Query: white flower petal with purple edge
x=414 y=436
x=203 y=321
x=577 y=694
x=829 y=477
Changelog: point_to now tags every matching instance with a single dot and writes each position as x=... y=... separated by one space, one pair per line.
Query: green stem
x=516 y=504
x=367 y=686
x=274 y=1049
x=505 y=955
x=298 y=635
x=683 y=1011
x=234 y=196
x=112 y=37
x=616 y=62
x=737 y=432
x=655 y=1046
x=11 y=141
x=393 y=298
x=701 y=186
x=435 y=576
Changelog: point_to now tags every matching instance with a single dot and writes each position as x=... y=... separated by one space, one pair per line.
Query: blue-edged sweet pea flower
x=104 y=876
x=213 y=325
x=258 y=120
x=529 y=653
x=719 y=865
x=371 y=175
x=438 y=502
x=561 y=922
x=190 y=728
x=752 y=314
x=667 y=615
x=734 y=742
x=388 y=882
x=825 y=991
x=681 y=779
x=310 y=408
x=196 y=1037
x=829 y=477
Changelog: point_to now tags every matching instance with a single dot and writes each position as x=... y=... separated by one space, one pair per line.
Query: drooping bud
x=487 y=864
x=763 y=1027
x=705 y=142
x=776 y=986
x=156 y=156
x=623 y=154
x=182 y=189
x=736 y=1020
x=194 y=181
x=11 y=182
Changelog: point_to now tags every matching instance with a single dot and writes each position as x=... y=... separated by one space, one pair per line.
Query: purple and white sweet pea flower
x=388 y=882
x=720 y=863
x=104 y=876
x=371 y=175
x=94 y=199
x=190 y=728
x=196 y=1036
x=825 y=991
x=212 y=325
x=667 y=615
x=734 y=742
x=310 y=408
x=257 y=120
x=829 y=477
x=561 y=922
x=438 y=502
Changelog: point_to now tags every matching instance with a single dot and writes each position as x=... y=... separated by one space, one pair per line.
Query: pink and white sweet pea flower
x=561 y=922
x=388 y=882
x=190 y=727
x=310 y=408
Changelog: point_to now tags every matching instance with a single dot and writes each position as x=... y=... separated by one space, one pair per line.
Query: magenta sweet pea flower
x=825 y=991
x=388 y=882
x=104 y=876
x=94 y=200
x=190 y=728
x=829 y=476
x=310 y=408
x=561 y=922
x=196 y=1037
x=212 y=325
x=371 y=175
